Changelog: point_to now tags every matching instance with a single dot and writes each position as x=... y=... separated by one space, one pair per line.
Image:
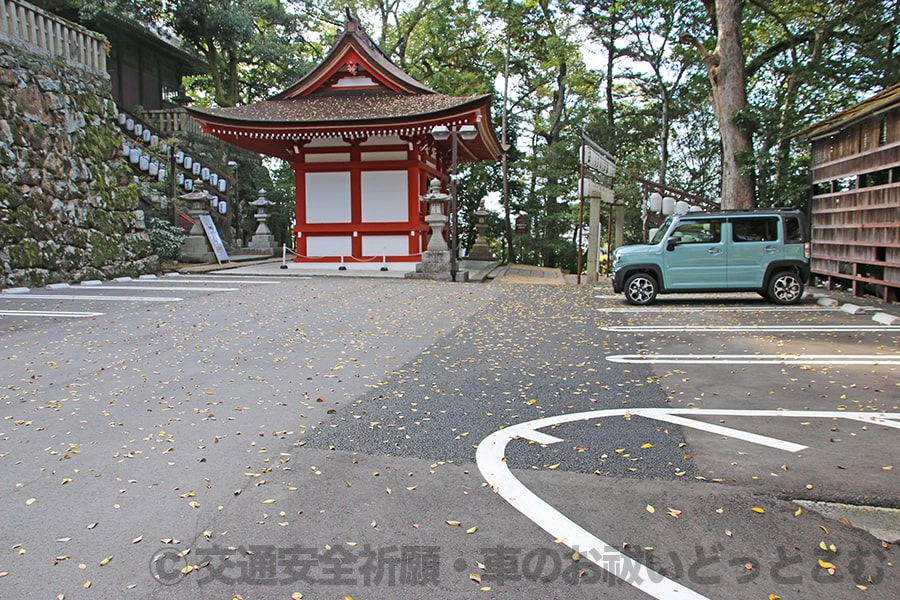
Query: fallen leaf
x=30 y=501
x=759 y=510
x=296 y=596
x=674 y=513
x=846 y=521
x=650 y=509
x=453 y=523
x=472 y=530
x=647 y=446
x=270 y=501
x=825 y=565
x=194 y=504
x=475 y=577
x=105 y=561
x=137 y=540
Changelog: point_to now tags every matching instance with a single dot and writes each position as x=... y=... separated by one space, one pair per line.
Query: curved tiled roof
x=359 y=107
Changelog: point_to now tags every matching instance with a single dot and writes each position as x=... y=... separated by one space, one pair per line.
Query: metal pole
x=453 y=216
x=581 y=209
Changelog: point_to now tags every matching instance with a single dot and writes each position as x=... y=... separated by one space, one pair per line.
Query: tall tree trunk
x=725 y=67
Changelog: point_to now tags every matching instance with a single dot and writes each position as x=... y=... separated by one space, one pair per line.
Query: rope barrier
x=344 y=259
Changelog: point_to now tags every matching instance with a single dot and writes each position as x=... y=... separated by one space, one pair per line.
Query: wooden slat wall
x=856 y=206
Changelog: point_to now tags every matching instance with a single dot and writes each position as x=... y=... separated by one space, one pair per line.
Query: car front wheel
x=640 y=289
x=785 y=288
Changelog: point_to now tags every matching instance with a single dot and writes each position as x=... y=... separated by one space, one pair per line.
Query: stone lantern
x=196 y=247
x=263 y=241
x=481 y=250
x=436 y=261
x=436 y=217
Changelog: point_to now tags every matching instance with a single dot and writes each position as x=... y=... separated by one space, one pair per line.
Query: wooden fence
x=43 y=32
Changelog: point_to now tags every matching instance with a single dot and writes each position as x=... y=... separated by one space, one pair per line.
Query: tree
x=727 y=78
x=251 y=47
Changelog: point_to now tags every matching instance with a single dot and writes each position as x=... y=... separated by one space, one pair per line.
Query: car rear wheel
x=785 y=288
x=640 y=289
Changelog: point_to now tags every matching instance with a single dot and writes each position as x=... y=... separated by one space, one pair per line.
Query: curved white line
x=491 y=461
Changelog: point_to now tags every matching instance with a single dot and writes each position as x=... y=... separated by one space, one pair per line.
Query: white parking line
x=717 y=308
x=758 y=359
x=192 y=279
x=748 y=328
x=491 y=459
x=49 y=313
x=94 y=298
x=122 y=286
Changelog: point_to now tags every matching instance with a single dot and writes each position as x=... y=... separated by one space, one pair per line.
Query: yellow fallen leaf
x=759 y=510
x=453 y=523
x=194 y=504
x=87 y=584
x=650 y=509
x=296 y=596
x=798 y=512
x=825 y=565
x=105 y=561
x=888 y=468
x=647 y=446
x=774 y=597
x=556 y=466
x=269 y=501
x=674 y=513
x=475 y=577
x=472 y=530
x=30 y=501
x=137 y=539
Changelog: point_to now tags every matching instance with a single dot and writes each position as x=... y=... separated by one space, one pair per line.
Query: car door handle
x=771 y=248
x=715 y=251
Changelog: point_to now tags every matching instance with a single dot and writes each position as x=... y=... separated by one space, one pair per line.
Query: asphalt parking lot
x=221 y=435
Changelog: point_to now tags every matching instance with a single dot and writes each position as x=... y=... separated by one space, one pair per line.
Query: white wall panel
x=328 y=197
x=385 y=245
x=385 y=196
x=329 y=245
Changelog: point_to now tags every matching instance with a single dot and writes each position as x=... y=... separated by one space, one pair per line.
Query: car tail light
x=806 y=251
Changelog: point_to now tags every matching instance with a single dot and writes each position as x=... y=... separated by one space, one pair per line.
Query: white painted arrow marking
x=491 y=460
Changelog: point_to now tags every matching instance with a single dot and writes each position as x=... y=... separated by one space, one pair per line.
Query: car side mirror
x=670 y=246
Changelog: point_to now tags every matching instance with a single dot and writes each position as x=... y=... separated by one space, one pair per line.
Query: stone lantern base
x=197 y=249
x=436 y=265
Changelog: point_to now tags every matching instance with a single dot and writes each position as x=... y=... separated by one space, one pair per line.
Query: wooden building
x=855 y=202
x=357 y=132
x=146 y=65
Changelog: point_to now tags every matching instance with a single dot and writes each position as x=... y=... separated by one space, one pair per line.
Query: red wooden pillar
x=300 y=206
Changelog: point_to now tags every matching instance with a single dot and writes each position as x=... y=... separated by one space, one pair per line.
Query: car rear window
x=794 y=232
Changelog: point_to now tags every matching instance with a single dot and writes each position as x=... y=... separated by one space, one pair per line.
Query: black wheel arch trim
x=627 y=271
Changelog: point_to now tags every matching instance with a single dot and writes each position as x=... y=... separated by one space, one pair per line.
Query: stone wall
x=68 y=204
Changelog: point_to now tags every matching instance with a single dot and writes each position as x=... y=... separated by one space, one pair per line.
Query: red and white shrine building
x=357 y=133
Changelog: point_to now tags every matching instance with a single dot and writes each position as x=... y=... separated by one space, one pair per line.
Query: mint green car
x=761 y=250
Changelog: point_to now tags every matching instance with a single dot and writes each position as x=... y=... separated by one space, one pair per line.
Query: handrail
x=46 y=32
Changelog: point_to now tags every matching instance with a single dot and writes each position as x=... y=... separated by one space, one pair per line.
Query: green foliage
x=166 y=239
